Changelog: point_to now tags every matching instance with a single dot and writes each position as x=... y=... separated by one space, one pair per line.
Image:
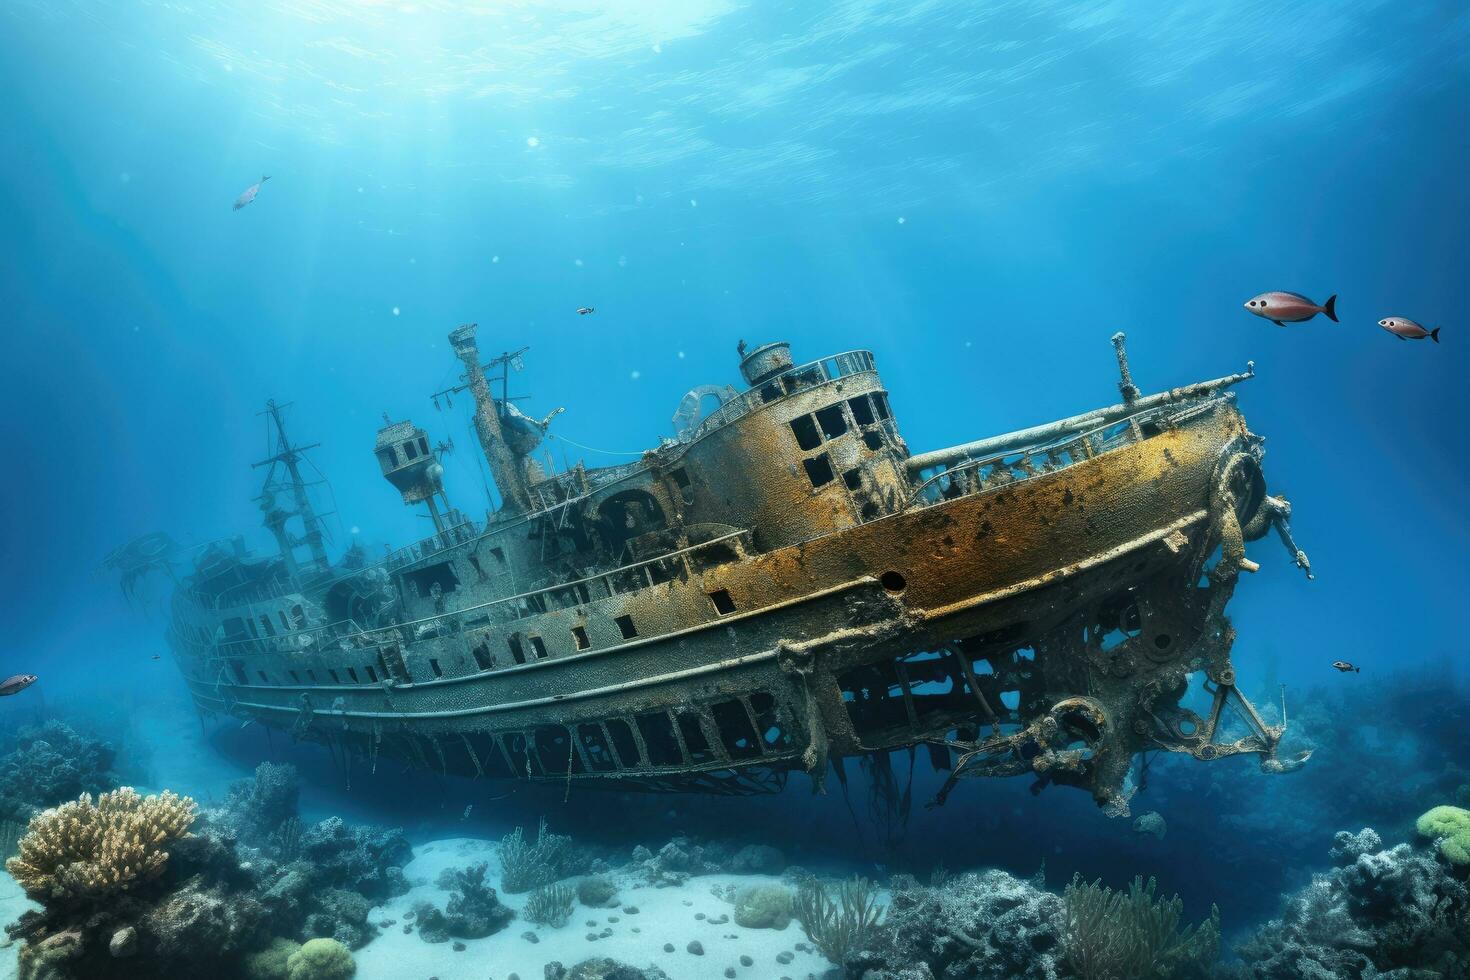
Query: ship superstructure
x=780 y=587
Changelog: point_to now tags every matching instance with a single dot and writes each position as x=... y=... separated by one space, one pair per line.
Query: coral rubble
x=1400 y=912
x=985 y=926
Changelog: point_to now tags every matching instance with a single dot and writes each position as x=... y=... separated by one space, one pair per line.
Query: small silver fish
x=1282 y=308
x=584 y=310
x=1346 y=667
x=1405 y=329
x=249 y=194
x=16 y=684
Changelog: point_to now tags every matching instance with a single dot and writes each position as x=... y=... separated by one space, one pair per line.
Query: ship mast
x=290 y=457
x=506 y=467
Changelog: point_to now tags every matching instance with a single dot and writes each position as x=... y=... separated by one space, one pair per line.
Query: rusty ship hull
x=1036 y=609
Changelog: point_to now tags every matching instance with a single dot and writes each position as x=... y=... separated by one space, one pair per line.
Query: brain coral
x=1450 y=825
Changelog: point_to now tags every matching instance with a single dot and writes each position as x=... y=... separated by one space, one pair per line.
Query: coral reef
x=84 y=851
x=473 y=912
x=148 y=883
x=676 y=862
x=52 y=763
x=256 y=807
x=602 y=968
x=1108 y=934
x=336 y=913
x=985 y=926
x=203 y=921
x=763 y=907
x=367 y=860
x=1379 y=913
x=550 y=905
x=596 y=892
x=321 y=959
x=1449 y=827
x=838 y=920
x=526 y=864
x=270 y=963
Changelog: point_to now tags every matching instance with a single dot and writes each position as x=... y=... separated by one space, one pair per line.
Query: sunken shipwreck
x=1037 y=602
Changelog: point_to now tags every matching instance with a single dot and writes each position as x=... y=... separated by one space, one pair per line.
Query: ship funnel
x=765 y=362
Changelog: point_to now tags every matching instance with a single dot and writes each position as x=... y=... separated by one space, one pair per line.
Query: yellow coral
x=1450 y=827
x=78 y=850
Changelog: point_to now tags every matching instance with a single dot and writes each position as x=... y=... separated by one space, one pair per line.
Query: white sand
x=13 y=902
x=663 y=917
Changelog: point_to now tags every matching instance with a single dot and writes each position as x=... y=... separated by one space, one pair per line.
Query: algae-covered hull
x=781 y=587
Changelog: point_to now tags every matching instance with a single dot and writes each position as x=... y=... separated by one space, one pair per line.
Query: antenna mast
x=289 y=456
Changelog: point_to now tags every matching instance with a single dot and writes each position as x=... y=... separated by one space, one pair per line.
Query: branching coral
x=840 y=923
x=80 y=850
x=551 y=905
x=1132 y=934
x=525 y=865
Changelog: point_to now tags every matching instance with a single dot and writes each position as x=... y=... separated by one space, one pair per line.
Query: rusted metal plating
x=780 y=588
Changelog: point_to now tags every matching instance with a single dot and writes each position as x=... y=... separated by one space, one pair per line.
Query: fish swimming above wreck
x=780 y=587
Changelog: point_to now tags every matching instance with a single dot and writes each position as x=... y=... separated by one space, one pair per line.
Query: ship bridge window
x=298 y=616
x=832 y=421
x=862 y=411
x=388 y=457
x=423 y=445
x=371 y=672
x=481 y=653
x=880 y=404
x=626 y=627
x=441 y=575
x=410 y=451
x=263 y=679
x=805 y=430
x=499 y=554
x=352 y=673
x=873 y=439
x=819 y=470
x=335 y=678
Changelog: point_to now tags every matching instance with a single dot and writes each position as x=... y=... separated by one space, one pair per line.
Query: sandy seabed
x=664 y=916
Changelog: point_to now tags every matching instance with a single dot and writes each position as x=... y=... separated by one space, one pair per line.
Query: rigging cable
x=593 y=449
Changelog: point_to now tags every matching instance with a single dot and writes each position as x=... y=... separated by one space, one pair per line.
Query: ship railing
x=436 y=543
x=632 y=577
x=788 y=382
x=970 y=476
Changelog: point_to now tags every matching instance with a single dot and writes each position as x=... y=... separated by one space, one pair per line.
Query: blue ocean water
x=979 y=194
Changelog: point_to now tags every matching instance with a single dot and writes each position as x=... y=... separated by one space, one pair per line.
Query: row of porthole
x=720 y=598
